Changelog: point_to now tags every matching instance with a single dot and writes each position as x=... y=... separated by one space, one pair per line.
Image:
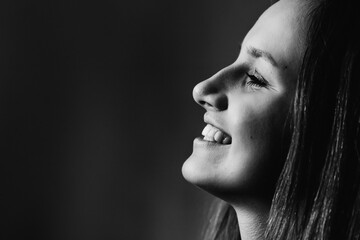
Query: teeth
x=213 y=134
x=206 y=130
x=227 y=140
x=208 y=138
x=219 y=136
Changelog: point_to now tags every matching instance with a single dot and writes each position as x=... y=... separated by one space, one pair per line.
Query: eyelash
x=257 y=81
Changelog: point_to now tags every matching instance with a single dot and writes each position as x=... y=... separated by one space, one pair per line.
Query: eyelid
x=260 y=78
x=258 y=75
x=251 y=70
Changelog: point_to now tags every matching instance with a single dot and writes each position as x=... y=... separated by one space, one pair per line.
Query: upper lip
x=212 y=121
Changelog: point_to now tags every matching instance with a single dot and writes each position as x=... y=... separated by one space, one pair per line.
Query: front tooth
x=207 y=138
x=211 y=132
x=206 y=130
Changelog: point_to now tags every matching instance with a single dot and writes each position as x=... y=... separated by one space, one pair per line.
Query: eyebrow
x=257 y=53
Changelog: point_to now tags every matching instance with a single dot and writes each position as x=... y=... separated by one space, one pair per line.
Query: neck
x=252 y=218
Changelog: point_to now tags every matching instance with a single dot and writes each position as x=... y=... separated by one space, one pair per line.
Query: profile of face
x=244 y=143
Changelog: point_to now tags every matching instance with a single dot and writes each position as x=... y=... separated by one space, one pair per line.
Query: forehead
x=279 y=31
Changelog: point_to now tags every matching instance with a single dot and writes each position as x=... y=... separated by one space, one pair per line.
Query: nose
x=211 y=93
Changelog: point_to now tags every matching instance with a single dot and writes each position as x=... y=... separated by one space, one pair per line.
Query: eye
x=256 y=81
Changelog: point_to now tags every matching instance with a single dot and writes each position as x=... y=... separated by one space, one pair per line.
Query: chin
x=211 y=176
x=193 y=172
x=230 y=176
x=203 y=167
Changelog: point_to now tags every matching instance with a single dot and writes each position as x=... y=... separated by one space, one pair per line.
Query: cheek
x=258 y=129
x=255 y=121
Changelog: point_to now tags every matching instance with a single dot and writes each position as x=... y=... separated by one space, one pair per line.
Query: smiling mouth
x=213 y=134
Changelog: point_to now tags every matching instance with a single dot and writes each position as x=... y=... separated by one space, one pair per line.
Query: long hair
x=222 y=223
x=317 y=196
x=318 y=192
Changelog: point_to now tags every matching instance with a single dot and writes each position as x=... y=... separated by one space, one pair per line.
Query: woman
x=281 y=142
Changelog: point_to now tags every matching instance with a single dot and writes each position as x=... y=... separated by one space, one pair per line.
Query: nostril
x=217 y=102
x=203 y=102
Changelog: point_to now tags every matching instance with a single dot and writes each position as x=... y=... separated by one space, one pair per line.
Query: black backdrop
x=97 y=115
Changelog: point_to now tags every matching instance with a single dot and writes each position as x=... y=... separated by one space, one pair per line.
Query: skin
x=254 y=113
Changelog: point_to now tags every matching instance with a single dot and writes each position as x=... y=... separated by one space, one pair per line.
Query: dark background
x=97 y=115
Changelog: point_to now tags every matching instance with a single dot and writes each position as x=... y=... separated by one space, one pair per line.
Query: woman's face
x=242 y=148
